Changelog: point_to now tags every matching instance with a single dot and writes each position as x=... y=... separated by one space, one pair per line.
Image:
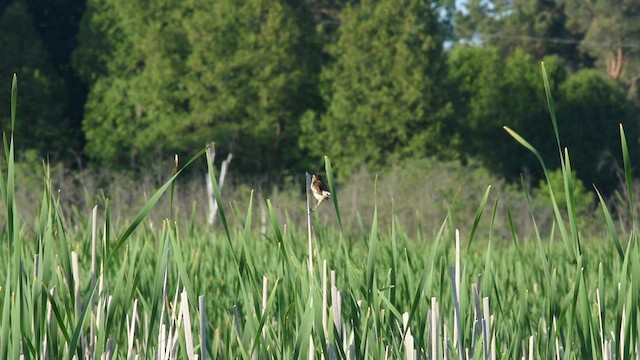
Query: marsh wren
x=319 y=189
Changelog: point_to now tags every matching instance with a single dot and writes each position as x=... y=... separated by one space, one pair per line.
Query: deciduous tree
x=590 y=108
x=494 y=91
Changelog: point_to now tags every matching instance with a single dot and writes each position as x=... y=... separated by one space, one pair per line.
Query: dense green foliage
x=174 y=78
x=281 y=83
x=133 y=64
x=252 y=72
x=23 y=52
x=384 y=96
x=494 y=91
x=589 y=106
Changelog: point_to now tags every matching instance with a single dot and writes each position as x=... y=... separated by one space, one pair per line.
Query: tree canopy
x=252 y=72
x=178 y=77
x=282 y=83
x=383 y=96
x=42 y=90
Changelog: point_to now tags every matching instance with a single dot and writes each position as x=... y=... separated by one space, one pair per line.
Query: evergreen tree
x=382 y=89
x=252 y=74
x=170 y=77
x=42 y=92
x=132 y=56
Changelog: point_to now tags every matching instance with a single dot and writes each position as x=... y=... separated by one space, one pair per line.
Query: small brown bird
x=319 y=190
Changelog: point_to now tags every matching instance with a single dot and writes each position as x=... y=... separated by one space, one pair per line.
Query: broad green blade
x=526 y=144
x=150 y=204
x=332 y=188
x=627 y=172
x=14 y=101
x=551 y=106
x=610 y=225
x=479 y=212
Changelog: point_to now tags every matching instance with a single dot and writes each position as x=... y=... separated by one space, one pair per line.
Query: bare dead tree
x=614 y=66
x=213 y=204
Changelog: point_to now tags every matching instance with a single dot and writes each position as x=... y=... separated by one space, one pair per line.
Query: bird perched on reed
x=319 y=190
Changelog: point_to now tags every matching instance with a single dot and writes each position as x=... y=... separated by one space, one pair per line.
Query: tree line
x=281 y=83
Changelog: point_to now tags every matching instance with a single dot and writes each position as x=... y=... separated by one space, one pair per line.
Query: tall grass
x=182 y=291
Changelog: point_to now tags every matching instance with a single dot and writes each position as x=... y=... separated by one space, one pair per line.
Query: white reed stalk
x=211 y=151
x=203 y=327
x=601 y=332
x=477 y=323
x=131 y=330
x=263 y=217
x=336 y=303
x=108 y=306
x=186 y=317
x=36 y=267
x=45 y=348
x=172 y=332
x=435 y=333
x=164 y=289
x=265 y=299
x=213 y=204
x=75 y=272
x=486 y=326
x=95 y=310
x=94 y=244
x=557 y=345
x=162 y=341
x=408 y=339
x=92 y=332
x=623 y=326
x=309 y=225
x=325 y=313
x=493 y=346
x=457 y=331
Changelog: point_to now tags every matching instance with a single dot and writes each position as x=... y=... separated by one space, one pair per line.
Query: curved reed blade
x=151 y=203
x=332 y=188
